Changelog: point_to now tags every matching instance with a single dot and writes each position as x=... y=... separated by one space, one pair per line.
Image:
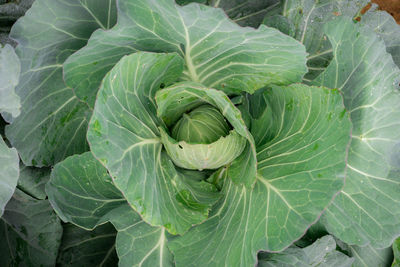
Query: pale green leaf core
x=174 y=101
x=203 y=125
x=204 y=156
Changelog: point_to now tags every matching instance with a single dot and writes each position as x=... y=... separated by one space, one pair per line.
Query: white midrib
x=160 y=244
x=188 y=59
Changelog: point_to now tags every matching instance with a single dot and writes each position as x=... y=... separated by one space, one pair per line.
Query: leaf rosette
x=200 y=128
x=140 y=102
x=196 y=146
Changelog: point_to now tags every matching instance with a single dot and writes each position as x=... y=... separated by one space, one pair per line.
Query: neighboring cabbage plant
x=200 y=141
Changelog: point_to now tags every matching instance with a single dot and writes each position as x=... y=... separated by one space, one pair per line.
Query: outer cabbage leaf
x=172 y=102
x=363 y=256
x=10 y=68
x=9 y=173
x=123 y=134
x=218 y=53
x=321 y=253
x=53 y=122
x=363 y=213
x=30 y=232
x=246 y=12
x=307 y=18
x=300 y=170
x=88 y=248
x=139 y=244
x=386 y=27
x=33 y=180
x=368 y=255
x=81 y=191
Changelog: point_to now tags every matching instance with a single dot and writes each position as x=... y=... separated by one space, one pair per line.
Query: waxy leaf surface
x=139 y=244
x=173 y=101
x=300 y=169
x=53 y=121
x=363 y=212
x=308 y=17
x=124 y=135
x=217 y=52
x=81 y=191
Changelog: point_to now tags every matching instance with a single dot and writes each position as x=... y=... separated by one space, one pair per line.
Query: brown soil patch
x=391 y=6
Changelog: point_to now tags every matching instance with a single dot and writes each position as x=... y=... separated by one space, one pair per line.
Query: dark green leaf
x=139 y=244
x=81 y=248
x=218 y=53
x=185 y=2
x=30 y=232
x=53 y=122
x=396 y=252
x=308 y=17
x=11 y=10
x=368 y=255
x=81 y=191
x=321 y=253
x=246 y=12
x=363 y=212
x=33 y=180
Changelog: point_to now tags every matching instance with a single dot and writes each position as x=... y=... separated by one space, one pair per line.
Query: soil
x=391 y=6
